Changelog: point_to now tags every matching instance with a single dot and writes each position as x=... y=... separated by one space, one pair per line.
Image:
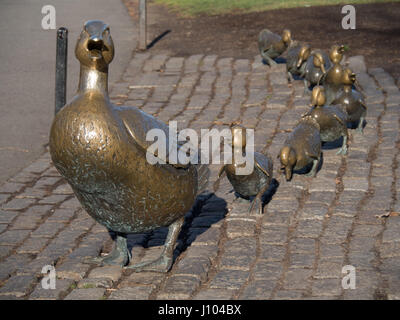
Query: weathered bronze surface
x=100 y=149
x=301 y=148
x=332 y=80
x=254 y=184
x=331 y=119
x=316 y=66
x=271 y=45
x=296 y=59
x=351 y=100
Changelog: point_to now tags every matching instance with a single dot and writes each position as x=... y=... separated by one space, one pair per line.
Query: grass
x=212 y=7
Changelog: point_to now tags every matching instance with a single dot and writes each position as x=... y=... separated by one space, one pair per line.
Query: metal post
x=61 y=68
x=142 y=24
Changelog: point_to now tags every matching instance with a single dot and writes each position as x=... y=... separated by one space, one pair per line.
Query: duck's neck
x=91 y=79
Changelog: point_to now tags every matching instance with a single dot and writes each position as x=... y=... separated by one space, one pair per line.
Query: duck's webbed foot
x=271 y=62
x=120 y=254
x=343 y=149
x=313 y=171
x=164 y=262
x=257 y=203
x=161 y=264
x=360 y=127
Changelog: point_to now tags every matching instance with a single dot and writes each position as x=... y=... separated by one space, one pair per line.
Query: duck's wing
x=314 y=150
x=138 y=125
x=263 y=163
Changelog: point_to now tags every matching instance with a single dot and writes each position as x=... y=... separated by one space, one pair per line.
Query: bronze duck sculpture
x=351 y=100
x=250 y=185
x=301 y=148
x=332 y=79
x=296 y=60
x=271 y=45
x=331 y=119
x=100 y=149
x=315 y=68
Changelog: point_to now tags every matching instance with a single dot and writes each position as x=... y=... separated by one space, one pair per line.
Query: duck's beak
x=95 y=46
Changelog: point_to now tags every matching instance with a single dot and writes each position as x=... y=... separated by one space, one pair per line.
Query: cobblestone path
x=310 y=229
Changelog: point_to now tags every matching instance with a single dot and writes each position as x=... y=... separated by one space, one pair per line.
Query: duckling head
x=304 y=53
x=95 y=47
x=286 y=36
x=348 y=77
x=318 y=96
x=288 y=160
x=336 y=53
x=319 y=61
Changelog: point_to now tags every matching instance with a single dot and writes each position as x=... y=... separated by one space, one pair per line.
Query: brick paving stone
x=25 y=222
x=7 y=216
x=48 y=229
x=86 y=294
x=18 y=285
x=329 y=287
x=272 y=252
x=300 y=260
x=297 y=279
x=197 y=267
x=18 y=204
x=53 y=199
x=87 y=283
x=11 y=187
x=214 y=294
x=265 y=270
x=240 y=228
x=39 y=293
x=110 y=272
x=273 y=235
x=72 y=270
x=329 y=268
x=179 y=287
x=132 y=293
x=258 y=290
x=230 y=279
x=288 y=295
x=13 y=237
x=33 y=245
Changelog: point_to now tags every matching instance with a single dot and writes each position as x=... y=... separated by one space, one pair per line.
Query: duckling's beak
x=341 y=49
x=299 y=62
x=323 y=68
x=353 y=77
x=95 y=46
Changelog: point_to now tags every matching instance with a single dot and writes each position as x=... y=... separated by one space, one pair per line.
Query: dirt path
x=376 y=35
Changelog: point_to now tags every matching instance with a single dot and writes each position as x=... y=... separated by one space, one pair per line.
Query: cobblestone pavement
x=310 y=229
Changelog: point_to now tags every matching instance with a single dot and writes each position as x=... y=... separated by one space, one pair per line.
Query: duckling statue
x=332 y=79
x=315 y=68
x=271 y=45
x=301 y=148
x=296 y=60
x=351 y=100
x=331 y=119
x=101 y=148
x=257 y=182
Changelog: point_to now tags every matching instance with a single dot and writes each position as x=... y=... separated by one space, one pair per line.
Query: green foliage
x=194 y=7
